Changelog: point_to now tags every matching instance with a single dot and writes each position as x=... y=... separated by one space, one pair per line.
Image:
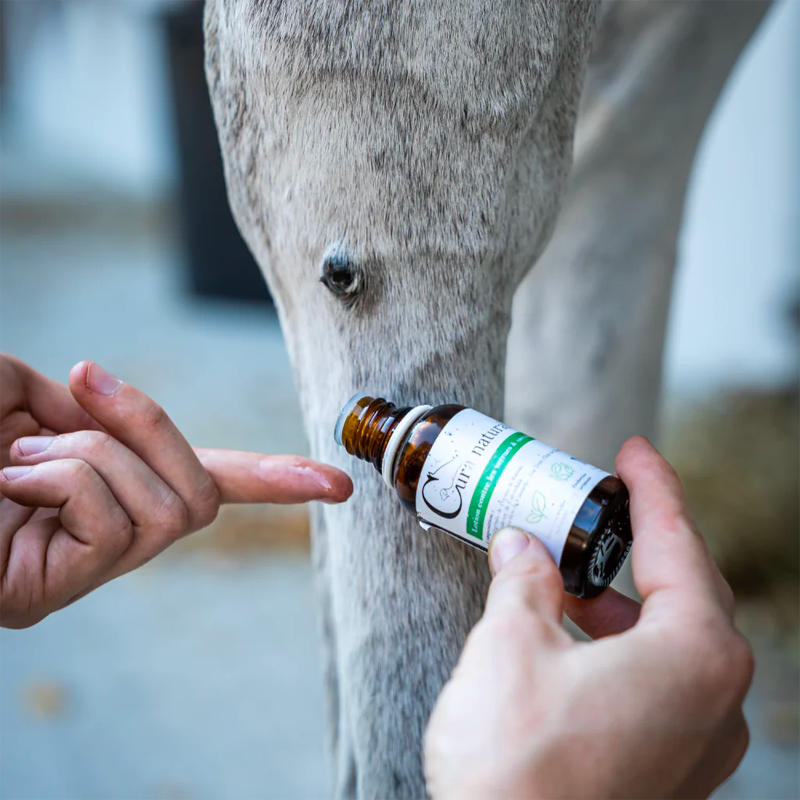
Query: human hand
x=653 y=708
x=97 y=480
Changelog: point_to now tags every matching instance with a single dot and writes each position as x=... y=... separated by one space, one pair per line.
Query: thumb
x=525 y=576
x=257 y=478
x=48 y=402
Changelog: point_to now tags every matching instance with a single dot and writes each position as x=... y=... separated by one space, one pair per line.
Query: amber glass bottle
x=470 y=475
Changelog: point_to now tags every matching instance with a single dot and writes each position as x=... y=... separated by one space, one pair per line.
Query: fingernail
x=12 y=473
x=506 y=544
x=32 y=445
x=101 y=382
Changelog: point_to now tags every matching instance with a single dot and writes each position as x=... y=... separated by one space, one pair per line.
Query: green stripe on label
x=488 y=481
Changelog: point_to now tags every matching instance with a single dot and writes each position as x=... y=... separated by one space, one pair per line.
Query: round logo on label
x=609 y=554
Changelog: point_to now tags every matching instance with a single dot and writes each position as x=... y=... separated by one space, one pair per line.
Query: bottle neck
x=368 y=426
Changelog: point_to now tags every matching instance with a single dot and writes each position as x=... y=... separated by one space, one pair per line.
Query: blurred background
x=198 y=676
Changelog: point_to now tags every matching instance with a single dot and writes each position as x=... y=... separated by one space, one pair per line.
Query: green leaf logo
x=561 y=471
x=538 y=505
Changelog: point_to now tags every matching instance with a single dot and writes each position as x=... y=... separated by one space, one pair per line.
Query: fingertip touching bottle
x=470 y=475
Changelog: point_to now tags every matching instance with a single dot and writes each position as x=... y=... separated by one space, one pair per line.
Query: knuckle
x=87 y=442
x=172 y=516
x=79 y=471
x=152 y=416
x=726 y=662
x=205 y=505
x=18 y=622
x=127 y=533
x=122 y=537
x=743 y=665
x=21 y=603
x=19 y=618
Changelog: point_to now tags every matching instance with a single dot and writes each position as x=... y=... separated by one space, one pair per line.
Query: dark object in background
x=2 y=50
x=220 y=264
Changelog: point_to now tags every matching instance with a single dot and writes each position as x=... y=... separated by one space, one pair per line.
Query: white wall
x=87 y=91
x=740 y=246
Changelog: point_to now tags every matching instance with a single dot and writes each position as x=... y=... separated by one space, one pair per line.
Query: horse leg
x=586 y=343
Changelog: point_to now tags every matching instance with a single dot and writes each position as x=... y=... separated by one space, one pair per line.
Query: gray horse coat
x=397 y=168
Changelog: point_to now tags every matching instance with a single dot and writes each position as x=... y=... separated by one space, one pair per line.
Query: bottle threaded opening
x=365 y=425
x=347 y=409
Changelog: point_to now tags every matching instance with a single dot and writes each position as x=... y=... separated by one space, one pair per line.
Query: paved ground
x=197 y=677
x=184 y=680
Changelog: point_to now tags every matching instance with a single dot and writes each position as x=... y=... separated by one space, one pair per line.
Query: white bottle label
x=480 y=476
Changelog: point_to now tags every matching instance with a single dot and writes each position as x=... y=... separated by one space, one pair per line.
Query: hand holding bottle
x=653 y=708
x=97 y=480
